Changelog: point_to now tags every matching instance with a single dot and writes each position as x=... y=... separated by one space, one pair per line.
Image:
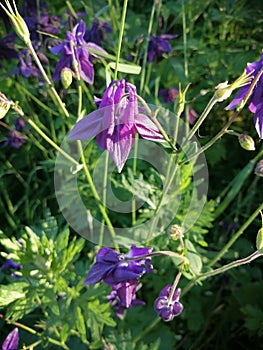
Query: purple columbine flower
x=25 y=67
x=83 y=57
x=113 y=267
x=123 y=296
x=96 y=33
x=167 y=309
x=15 y=139
x=7 y=50
x=256 y=98
x=19 y=123
x=158 y=45
x=115 y=122
x=11 y=341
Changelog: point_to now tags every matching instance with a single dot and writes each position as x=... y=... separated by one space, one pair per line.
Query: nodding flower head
x=116 y=121
x=167 y=306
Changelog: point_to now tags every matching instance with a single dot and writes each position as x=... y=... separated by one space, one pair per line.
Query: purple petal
x=11 y=341
x=137 y=251
x=97 y=273
x=239 y=97
x=95 y=47
x=57 y=49
x=86 y=70
x=87 y=127
x=147 y=129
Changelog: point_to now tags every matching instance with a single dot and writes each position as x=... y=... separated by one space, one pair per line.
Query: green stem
x=123 y=16
x=104 y=194
x=223 y=269
x=147 y=329
x=134 y=168
x=236 y=236
x=200 y=120
x=95 y=195
x=145 y=57
x=46 y=78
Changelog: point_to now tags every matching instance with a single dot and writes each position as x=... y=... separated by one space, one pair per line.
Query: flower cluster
x=122 y=273
x=256 y=98
x=167 y=306
x=76 y=48
x=116 y=121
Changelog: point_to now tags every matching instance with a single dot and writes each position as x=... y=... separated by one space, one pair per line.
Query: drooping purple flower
x=83 y=57
x=115 y=123
x=169 y=95
x=19 y=123
x=11 y=341
x=167 y=308
x=113 y=267
x=255 y=104
x=15 y=139
x=25 y=67
x=123 y=296
x=96 y=33
x=158 y=45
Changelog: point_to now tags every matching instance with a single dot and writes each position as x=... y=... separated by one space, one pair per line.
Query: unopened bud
x=180 y=101
x=176 y=232
x=18 y=22
x=246 y=142
x=259 y=240
x=259 y=168
x=4 y=105
x=224 y=90
x=66 y=77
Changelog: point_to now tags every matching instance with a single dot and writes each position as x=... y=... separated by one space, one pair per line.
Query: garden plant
x=131 y=174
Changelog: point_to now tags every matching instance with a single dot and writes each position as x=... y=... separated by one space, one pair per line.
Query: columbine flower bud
x=66 y=77
x=176 y=232
x=246 y=142
x=4 y=105
x=19 y=24
x=259 y=168
x=180 y=101
x=259 y=240
x=224 y=90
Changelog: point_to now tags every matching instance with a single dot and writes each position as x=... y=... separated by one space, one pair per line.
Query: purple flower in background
x=256 y=98
x=158 y=45
x=123 y=296
x=10 y=264
x=169 y=95
x=11 y=341
x=115 y=123
x=96 y=33
x=83 y=57
x=167 y=309
x=25 y=66
x=19 y=123
x=113 y=267
x=15 y=139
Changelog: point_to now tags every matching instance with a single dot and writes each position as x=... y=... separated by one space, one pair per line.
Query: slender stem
x=95 y=195
x=46 y=78
x=145 y=57
x=236 y=236
x=185 y=63
x=104 y=193
x=124 y=9
x=147 y=329
x=200 y=120
x=222 y=269
x=134 y=168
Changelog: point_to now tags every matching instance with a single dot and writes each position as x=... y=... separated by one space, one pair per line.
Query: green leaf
x=80 y=324
x=126 y=68
x=195 y=262
x=11 y=292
